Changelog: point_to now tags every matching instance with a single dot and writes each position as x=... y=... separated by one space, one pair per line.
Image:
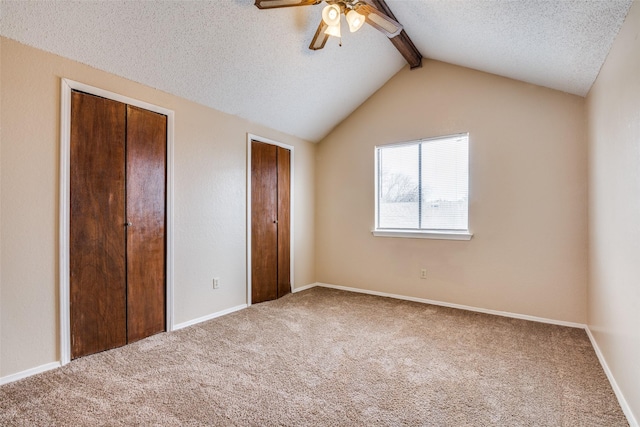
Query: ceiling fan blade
x=320 y=38
x=377 y=19
x=402 y=41
x=272 y=4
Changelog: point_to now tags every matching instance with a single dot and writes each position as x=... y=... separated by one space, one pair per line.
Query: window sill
x=412 y=234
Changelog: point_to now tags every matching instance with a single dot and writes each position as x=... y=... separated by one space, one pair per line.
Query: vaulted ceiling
x=231 y=56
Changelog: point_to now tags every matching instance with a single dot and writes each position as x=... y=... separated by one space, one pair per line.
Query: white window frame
x=414 y=233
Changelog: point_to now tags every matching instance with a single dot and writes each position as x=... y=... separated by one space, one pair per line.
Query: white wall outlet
x=423 y=273
x=216 y=283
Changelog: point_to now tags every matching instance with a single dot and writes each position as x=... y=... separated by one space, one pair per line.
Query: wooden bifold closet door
x=117 y=223
x=270 y=222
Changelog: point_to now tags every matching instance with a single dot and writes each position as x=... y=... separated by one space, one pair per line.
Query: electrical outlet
x=423 y=273
x=216 y=283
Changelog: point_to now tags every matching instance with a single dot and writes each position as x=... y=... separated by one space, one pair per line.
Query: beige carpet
x=330 y=358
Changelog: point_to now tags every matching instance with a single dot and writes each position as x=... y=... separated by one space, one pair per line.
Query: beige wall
x=209 y=189
x=614 y=209
x=528 y=195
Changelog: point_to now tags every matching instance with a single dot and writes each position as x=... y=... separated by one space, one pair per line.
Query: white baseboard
x=53 y=365
x=209 y=317
x=458 y=306
x=621 y=400
x=304 y=288
x=29 y=372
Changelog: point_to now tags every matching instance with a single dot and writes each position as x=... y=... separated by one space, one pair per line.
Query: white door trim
x=251 y=137
x=65 y=134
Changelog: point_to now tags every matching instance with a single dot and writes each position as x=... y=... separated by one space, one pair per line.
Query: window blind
x=424 y=185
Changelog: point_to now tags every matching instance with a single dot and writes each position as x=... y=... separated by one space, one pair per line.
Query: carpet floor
x=325 y=357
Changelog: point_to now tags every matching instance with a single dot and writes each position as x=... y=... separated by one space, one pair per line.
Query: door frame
x=66 y=86
x=251 y=137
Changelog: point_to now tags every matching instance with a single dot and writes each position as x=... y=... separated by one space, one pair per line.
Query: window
x=422 y=188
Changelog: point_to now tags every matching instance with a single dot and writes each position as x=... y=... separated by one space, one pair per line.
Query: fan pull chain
x=340 y=44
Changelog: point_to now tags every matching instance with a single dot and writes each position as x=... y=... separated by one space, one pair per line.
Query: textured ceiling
x=559 y=44
x=255 y=64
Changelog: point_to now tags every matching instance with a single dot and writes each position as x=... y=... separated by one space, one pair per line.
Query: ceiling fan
x=374 y=12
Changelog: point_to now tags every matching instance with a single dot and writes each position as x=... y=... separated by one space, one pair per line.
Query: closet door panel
x=97 y=216
x=264 y=227
x=146 y=200
x=284 y=221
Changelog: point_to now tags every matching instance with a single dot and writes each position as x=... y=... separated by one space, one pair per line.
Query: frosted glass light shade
x=331 y=15
x=355 y=20
x=333 y=30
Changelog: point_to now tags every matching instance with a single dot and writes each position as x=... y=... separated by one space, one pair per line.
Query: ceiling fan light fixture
x=331 y=15
x=355 y=20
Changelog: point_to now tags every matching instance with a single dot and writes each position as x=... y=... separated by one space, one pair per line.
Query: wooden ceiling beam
x=402 y=42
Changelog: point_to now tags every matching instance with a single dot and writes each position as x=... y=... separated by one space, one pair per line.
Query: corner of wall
x=613 y=113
